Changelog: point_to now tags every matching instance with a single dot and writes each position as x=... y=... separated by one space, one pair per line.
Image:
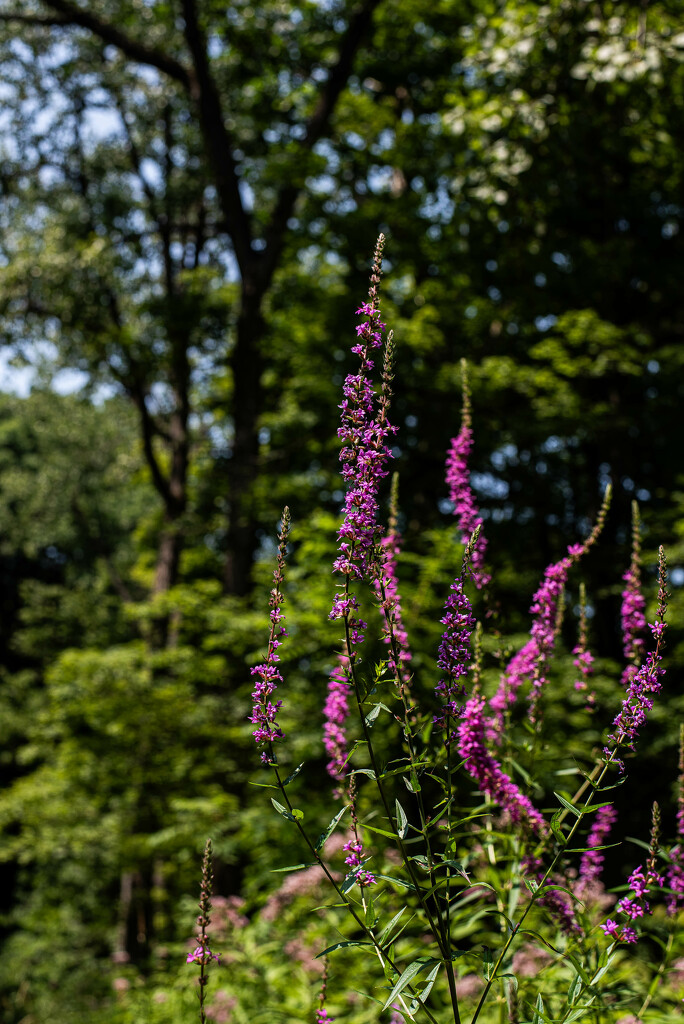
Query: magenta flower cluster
x=454 y=653
x=633 y=622
x=460 y=493
x=354 y=859
x=488 y=773
x=394 y=631
x=591 y=863
x=335 y=713
x=639 y=700
x=635 y=905
x=364 y=433
x=264 y=710
x=532 y=660
x=201 y=955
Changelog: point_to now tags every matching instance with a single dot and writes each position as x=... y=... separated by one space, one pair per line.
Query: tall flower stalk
x=264 y=710
x=532 y=661
x=645 y=684
x=460 y=492
x=633 y=605
x=202 y=955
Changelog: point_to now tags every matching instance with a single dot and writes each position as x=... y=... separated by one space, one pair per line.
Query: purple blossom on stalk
x=387 y=590
x=633 y=605
x=675 y=871
x=532 y=661
x=264 y=711
x=354 y=846
x=643 y=686
x=558 y=903
x=591 y=863
x=364 y=432
x=460 y=492
x=488 y=773
x=336 y=712
x=354 y=859
x=641 y=881
x=202 y=954
x=454 y=651
x=584 y=659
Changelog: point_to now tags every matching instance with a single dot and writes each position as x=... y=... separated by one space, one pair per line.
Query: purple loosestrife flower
x=454 y=652
x=633 y=605
x=336 y=712
x=644 y=685
x=354 y=859
x=460 y=493
x=591 y=863
x=675 y=871
x=531 y=662
x=635 y=905
x=268 y=675
x=584 y=659
x=354 y=846
x=364 y=433
x=488 y=773
x=387 y=590
x=558 y=903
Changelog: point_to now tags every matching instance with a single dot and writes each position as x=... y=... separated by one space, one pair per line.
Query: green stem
x=382 y=955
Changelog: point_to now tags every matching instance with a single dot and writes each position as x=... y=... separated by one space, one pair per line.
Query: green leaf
x=402 y=821
x=294 y=774
x=398 y=881
x=430 y=980
x=412 y=971
x=370 y=916
x=352 y=943
x=374 y=712
x=355 y=746
x=378 y=831
x=364 y=771
x=387 y=930
x=283 y=811
x=539 y=1014
x=556 y=829
x=293 y=867
x=325 y=836
x=567 y=805
x=575 y=988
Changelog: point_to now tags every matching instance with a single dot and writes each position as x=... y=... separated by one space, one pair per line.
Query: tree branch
x=317 y=124
x=71 y=14
x=217 y=140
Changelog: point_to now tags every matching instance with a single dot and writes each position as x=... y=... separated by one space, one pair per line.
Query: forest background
x=190 y=195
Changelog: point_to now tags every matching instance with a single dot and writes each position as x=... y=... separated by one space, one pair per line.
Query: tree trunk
x=247 y=366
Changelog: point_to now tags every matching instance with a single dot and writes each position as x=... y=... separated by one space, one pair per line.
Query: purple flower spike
x=644 y=685
x=460 y=493
x=531 y=662
x=387 y=590
x=264 y=711
x=354 y=859
x=454 y=653
x=641 y=882
x=364 y=432
x=633 y=605
x=488 y=773
x=592 y=861
x=336 y=712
